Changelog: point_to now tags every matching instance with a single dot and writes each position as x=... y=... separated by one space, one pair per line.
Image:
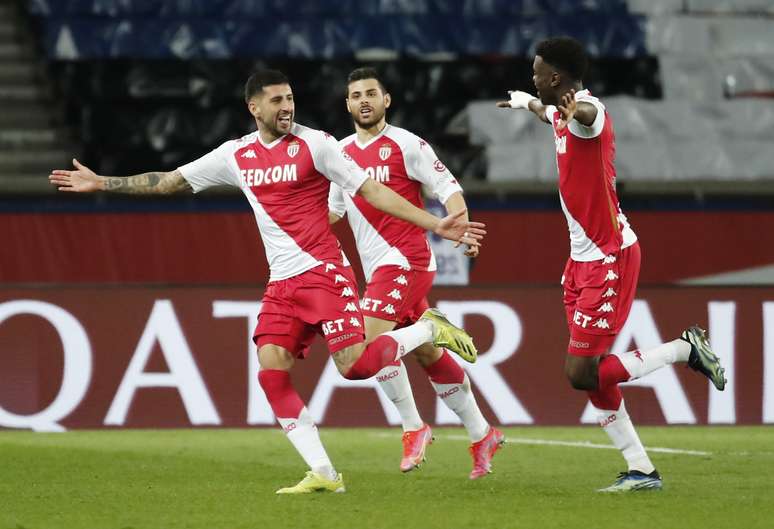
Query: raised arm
x=454 y=227
x=84 y=180
x=581 y=111
x=526 y=101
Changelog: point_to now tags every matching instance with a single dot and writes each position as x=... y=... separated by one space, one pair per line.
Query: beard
x=368 y=122
x=273 y=126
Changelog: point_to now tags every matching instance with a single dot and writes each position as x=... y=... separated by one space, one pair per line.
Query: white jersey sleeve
x=550 y=111
x=212 y=169
x=336 y=165
x=336 y=203
x=595 y=129
x=424 y=166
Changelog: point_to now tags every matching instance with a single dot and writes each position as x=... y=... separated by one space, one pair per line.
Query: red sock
x=445 y=370
x=379 y=353
x=608 y=398
x=280 y=393
x=611 y=372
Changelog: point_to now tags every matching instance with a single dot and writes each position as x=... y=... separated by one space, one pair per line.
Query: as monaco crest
x=293 y=148
x=385 y=151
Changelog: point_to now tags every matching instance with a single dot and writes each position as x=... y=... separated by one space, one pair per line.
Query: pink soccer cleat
x=484 y=450
x=415 y=443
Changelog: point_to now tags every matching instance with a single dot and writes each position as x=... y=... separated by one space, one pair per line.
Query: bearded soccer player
x=600 y=277
x=285 y=169
x=399 y=265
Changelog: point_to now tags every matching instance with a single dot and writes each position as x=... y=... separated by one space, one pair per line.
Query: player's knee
x=275 y=357
x=581 y=380
x=346 y=361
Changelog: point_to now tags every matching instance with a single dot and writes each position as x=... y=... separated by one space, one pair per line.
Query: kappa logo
x=347 y=293
x=385 y=151
x=389 y=309
x=339 y=278
x=611 y=275
x=401 y=280
x=249 y=154
x=610 y=259
x=606 y=307
x=354 y=322
x=601 y=323
x=293 y=148
x=609 y=293
x=395 y=294
x=350 y=307
x=329 y=267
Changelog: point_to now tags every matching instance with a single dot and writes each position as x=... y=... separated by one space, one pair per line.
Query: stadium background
x=117 y=311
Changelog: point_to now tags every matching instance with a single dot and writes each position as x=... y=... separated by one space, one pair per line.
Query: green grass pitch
x=147 y=479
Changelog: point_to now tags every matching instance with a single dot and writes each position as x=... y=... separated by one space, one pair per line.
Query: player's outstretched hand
x=518 y=99
x=567 y=109
x=455 y=228
x=82 y=180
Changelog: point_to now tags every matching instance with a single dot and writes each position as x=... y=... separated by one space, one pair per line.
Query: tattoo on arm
x=148 y=183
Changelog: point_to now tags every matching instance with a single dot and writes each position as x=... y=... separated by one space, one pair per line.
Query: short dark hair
x=262 y=78
x=366 y=72
x=565 y=54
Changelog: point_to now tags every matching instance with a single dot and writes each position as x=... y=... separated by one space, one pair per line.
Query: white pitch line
x=574 y=444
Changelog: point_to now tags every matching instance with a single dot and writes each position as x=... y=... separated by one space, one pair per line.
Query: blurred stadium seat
x=155 y=83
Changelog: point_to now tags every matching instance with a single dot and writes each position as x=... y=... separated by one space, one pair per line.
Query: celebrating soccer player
x=399 y=264
x=285 y=169
x=600 y=277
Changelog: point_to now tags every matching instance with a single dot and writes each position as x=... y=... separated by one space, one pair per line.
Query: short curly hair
x=565 y=54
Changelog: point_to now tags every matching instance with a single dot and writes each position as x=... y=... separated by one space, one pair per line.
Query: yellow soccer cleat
x=449 y=336
x=314 y=482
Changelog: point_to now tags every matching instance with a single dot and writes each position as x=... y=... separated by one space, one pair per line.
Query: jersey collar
x=363 y=146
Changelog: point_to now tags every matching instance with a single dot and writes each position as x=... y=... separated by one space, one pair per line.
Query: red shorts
x=396 y=294
x=597 y=298
x=322 y=301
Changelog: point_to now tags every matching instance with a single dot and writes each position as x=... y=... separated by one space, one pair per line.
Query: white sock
x=411 y=337
x=394 y=381
x=459 y=398
x=620 y=429
x=302 y=432
x=640 y=363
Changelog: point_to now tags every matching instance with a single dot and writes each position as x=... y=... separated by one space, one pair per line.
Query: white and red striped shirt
x=585 y=159
x=403 y=162
x=287 y=184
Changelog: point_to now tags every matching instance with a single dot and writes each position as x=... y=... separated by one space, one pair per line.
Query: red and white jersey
x=287 y=184
x=403 y=162
x=585 y=159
